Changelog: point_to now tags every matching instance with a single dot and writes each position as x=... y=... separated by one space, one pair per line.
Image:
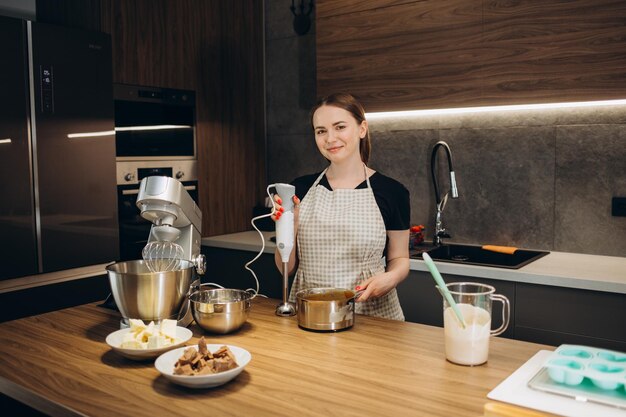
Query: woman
x=350 y=216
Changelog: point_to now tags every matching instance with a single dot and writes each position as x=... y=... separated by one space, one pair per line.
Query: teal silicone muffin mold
x=571 y=364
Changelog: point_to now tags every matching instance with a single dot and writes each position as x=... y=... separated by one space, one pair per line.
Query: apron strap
x=317 y=181
x=367 y=179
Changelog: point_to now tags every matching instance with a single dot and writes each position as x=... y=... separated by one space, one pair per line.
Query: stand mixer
x=285 y=242
x=176 y=223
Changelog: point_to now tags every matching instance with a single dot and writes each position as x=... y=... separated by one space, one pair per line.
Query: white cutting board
x=514 y=390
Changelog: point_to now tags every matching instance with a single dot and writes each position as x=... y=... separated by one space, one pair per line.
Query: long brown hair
x=349 y=103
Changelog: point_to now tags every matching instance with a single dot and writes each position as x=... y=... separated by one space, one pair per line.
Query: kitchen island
x=59 y=363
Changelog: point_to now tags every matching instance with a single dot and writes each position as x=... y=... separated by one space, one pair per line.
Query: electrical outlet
x=618 y=207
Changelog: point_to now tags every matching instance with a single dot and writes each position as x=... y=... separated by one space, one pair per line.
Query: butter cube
x=128 y=337
x=150 y=329
x=157 y=341
x=168 y=328
x=132 y=344
x=144 y=335
x=136 y=325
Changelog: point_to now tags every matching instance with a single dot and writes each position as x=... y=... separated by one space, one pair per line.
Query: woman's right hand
x=276 y=214
x=279 y=209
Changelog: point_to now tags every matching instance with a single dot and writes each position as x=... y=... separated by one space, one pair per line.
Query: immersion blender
x=285 y=242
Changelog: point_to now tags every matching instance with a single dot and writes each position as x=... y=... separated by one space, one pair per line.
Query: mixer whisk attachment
x=162 y=256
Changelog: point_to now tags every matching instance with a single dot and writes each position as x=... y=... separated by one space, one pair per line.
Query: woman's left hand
x=396 y=270
x=376 y=286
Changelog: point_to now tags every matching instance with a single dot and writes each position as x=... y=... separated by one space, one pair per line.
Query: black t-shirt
x=391 y=196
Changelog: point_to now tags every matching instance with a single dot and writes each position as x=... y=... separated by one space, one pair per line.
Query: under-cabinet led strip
x=461 y=110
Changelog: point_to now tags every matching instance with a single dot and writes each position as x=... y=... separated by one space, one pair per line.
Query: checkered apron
x=341 y=239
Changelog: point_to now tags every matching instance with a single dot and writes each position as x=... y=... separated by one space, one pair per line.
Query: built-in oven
x=154 y=123
x=133 y=229
x=155 y=135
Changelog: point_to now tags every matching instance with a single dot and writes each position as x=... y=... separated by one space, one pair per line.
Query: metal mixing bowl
x=220 y=310
x=145 y=295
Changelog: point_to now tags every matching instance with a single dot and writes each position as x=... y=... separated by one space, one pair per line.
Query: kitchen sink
x=475 y=255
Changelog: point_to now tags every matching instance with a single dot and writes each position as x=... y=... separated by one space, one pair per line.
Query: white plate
x=115 y=340
x=165 y=364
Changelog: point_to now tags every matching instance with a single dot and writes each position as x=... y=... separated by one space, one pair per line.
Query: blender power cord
x=255 y=292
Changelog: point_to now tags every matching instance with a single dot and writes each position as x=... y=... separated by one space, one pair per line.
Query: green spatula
x=442 y=286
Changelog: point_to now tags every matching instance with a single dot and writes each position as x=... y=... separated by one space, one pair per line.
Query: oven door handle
x=135 y=191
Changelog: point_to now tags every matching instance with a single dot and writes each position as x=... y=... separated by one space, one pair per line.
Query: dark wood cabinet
x=402 y=55
x=556 y=315
x=226 y=267
x=45 y=298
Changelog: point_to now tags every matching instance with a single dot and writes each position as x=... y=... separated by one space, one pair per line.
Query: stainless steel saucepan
x=325 y=309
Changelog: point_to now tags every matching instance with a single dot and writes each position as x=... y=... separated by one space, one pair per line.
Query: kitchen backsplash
x=539 y=179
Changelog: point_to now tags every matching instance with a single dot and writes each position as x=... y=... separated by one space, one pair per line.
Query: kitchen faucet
x=440 y=231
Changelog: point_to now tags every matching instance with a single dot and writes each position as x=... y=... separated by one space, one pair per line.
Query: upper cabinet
x=420 y=54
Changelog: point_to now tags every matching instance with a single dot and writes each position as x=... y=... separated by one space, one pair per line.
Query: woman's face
x=337 y=133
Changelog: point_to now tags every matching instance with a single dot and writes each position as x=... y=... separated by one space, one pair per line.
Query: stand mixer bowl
x=149 y=296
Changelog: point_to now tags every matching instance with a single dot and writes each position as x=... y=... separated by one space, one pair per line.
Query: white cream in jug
x=469 y=346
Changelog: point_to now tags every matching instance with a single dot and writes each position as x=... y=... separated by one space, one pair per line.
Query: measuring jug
x=469 y=344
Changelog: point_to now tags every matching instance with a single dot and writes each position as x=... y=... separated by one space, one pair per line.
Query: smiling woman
x=350 y=215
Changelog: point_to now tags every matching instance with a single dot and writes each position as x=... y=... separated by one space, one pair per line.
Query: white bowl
x=165 y=364
x=115 y=340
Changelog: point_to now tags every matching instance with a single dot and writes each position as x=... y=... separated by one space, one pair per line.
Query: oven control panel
x=132 y=172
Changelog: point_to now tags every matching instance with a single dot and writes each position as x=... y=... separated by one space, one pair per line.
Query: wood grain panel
x=232 y=162
x=215 y=48
x=420 y=53
x=155 y=42
x=547 y=51
x=399 y=55
x=326 y=8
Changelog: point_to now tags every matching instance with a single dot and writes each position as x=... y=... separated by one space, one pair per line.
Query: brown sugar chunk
x=224 y=364
x=206 y=370
x=203 y=362
x=188 y=355
x=202 y=347
x=183 y=370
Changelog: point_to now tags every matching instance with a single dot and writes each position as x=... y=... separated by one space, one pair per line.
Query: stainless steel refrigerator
x=58 y=197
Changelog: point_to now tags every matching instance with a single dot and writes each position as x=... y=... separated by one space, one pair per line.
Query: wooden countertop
x=60 y=364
